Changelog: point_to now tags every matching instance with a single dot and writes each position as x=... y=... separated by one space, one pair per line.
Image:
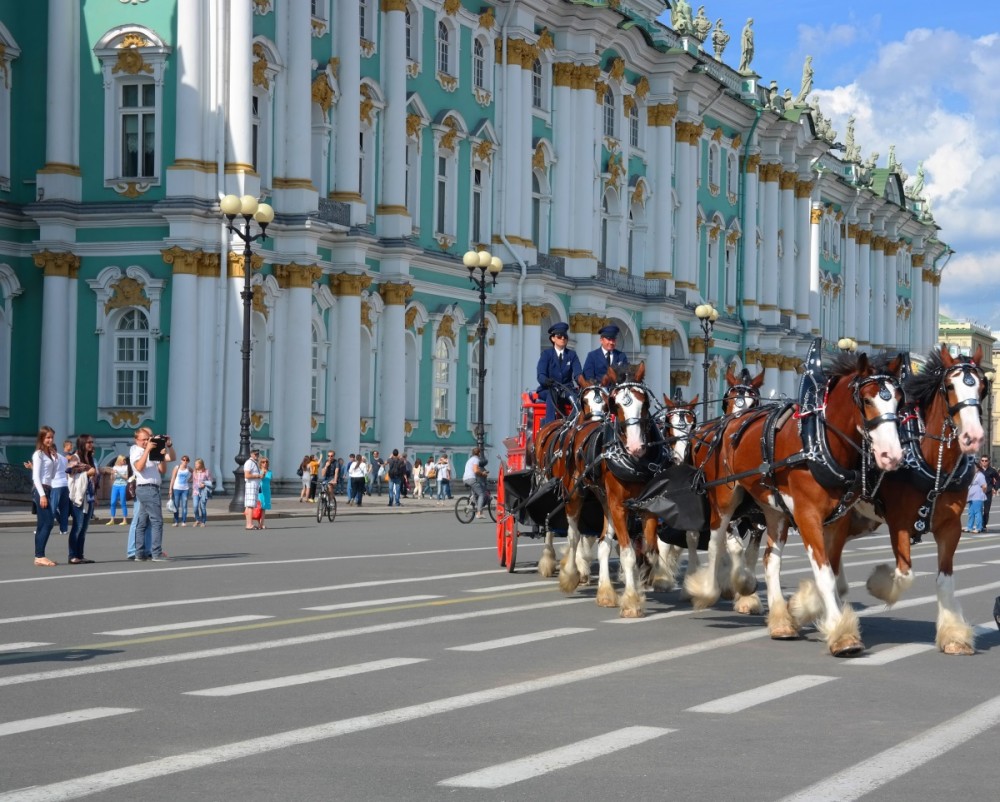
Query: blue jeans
x=118 y=500
x=180 y=506
x=150 y=513
x=59 y=504
x=130 y=548
x=43 y=522
x=976 y=516
x=81 y=522
x=395 y=485
x=200 y=505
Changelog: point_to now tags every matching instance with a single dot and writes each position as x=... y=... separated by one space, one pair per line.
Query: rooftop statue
x=680 y=18
x=852 y=152
x=917 y=189
x=746 y=46
x=807 y=82
x=719 y=39
x=702 y=25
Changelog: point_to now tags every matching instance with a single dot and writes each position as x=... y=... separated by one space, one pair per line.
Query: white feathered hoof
x=569 y=579
x=547 y=562
x=954 y=636
x=887 y=585
x=748 y=605
x=844 y=637
x=806 y=605
x=633 y=605
x=780 y=625
x=701 y=589
x=607 y=596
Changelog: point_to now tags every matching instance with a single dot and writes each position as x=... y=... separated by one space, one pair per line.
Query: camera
x=159 y=442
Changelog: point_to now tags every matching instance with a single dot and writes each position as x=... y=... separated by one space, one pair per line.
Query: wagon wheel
x=510 y=537
x=502 y=519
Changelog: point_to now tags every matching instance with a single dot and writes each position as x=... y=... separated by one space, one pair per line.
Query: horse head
x=629 y=403
x=743 y=392
x=679 y=421
x=593 y=400
x=963 y=385
x=875 y=388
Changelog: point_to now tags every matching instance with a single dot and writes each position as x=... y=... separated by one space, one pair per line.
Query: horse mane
x=844 y=364
x=920 y=387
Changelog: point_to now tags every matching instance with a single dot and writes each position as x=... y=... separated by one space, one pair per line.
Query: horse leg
x=888 y=584
x=954 y=635
x=780 y=624
x=547 y=562
x=703 y=585
x=661 y=577
x=607 y=596
x=584 y=556
x=746 y=601
x=633 y=602
x=569 y=576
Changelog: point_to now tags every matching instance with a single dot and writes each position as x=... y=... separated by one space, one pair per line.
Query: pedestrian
x=329 y=474
x=395 y=468
x=992 y=486
x=600 y=359
x=356 y=473
x=376 y=474
x=60 y=489
x=119 y=486
x=149 y=457
x=83 y=479
x=43 y=468
x=313 y=476
x=265 y=491
x=405 y=485
x=443 y=469
x=251 y=486
x=202 y=484
x=558 y=369
x=303 y=474
x=180 y=489
x=341 y=475
x=418 y=478
x=975 y=499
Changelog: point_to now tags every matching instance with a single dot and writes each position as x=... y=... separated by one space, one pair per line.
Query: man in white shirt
x=148 y=471
x=475 y=479
x=251 y=485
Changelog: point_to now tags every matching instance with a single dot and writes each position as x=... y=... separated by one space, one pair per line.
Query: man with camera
x=149 y=457
x=475 y=479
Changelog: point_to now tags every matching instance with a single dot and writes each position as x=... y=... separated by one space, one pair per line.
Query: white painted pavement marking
x=517 y=640
x=225 y=651
x=59 y=719
x=653 y=616
x=242 y=596
x=304 y=679
x=206 y=622
x=758 y=696
x=516 y=771
x=501 y=588
x=369 y=603
x=116 y=778
x=16 y=647
x=891 y=655
x=862 y=778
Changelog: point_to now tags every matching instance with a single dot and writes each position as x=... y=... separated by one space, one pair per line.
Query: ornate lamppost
x=707 y=315
x=479 y=264
x=847 y=344
x=249 y=209
x=990 y=375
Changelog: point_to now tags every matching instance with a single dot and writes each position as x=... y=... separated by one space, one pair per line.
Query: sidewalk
x=19 y=515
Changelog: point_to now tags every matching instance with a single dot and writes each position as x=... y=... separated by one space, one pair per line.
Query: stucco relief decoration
x=449 y=83
x=450 y=136
x=318 y=27
x=446 y=329
x=414 y=124
x=445 y=241
x=130 y=61
x=322 y=93
x=452 y=7
x=367 y=48
x=3 y=66
x=487 y=19
x=366 y=315
x=410 y=318
x=639 y=195
x=260 y=67
x=628 y=104
x=599 y=89
x=545 y=40
x=367 y=105
x=119 y=418
x=484 y=151
x=132 y=189
x=617 y=69
x=259 y=302
x=538 y=158
x=616 y=171
x=262 y=7
x=127 y=292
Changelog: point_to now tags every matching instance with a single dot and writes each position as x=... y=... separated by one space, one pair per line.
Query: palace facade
x=621 y=170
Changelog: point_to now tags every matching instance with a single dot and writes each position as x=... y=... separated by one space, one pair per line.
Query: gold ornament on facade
x=444 y=429
x=680 y=378
x=545 y=40
x=892 y=247
x=130 y=61
x=410 y=317
x=367 y=47
x=57 y=263
x=878 y=243
x=367 y=107
x=737 y=141
x=450 y=136
x=322 y=94
x=3 y=65
x=363 y=425
x=528 y=53
x=642 y=88
x=639 y=195
x=787 y=180
x=506 y=314
x=237 y=262
x=600 y=89
x=297 y=276
x=487 y=19
x=816 y=215
x=260 y=67
x=261 y=7
x=446 y=329
x=347 y=284
x=803 y=189
x=917 y=260
x=127 y=292
x=132 y=189
x=366 y=315
x=538 y=158
x=186 y=263
x=752 y=163
x=413 y=125
x=616 y=171
x=452 y=7
x=717 y=134
x=258 y=302
x=208 y=265
x=732 y=237
x=484 y=151
x=617 y=69
x=533 y=314
x=393 y=5
x=134 y=39
x=257 y=420
x=395 y=294
x=124 y=417
x=318 y=27
x=628 y=103
x=445 y=241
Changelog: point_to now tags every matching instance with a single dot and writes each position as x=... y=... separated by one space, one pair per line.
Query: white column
x=192 y=89
x=232 y=372
x=294 y=192
x=562 y=173
x=346 y=180
x=918 y=345
x=391 y=402
x=878 y=309
x=661 y=130
x=751 y=281
x=585 y=130
x=292 y=429
x=850 y=292
x=347 y=426
x=810 y=304
x=54 y=404
x=205 y=406
x=60 y=177
x=864 y=313
x=770 y=278
x=506 y=405
x=686 y=270
x=184 y=347
x=238 y=142
x=892 y=320
x=512 y=125
x=656 y=378
x=392 y=219
x=787 y=285
x=529 y=350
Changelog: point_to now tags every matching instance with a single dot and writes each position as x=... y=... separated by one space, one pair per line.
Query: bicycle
x=326 y=504
x=465 y=508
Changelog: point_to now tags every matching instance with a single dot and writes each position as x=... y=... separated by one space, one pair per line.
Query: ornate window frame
x=10 y=288
x=131 y=55
x=266 y=67
x=8 y=52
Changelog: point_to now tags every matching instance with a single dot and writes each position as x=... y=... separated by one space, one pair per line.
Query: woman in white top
x=43 y=469
x=119 y=486
x=356 y=473
x=180 y=489
x=60 y=488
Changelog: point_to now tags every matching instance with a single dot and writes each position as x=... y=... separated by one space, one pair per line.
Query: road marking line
x=59 y=719
x=208 y=622
x=517 y=640
x=653 y=616
x=116 y=778
x=369 y=603
x=862 y=778
x=496 y=588
x=765 y=693
x=891 y=655
x=241 y=596
x=225 y=651
x=303 y=679
x=16 y=647
x=562 y=757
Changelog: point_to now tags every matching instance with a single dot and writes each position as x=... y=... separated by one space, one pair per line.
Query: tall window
x=138 y=130
x=442 y=380
x=440 y=226
x=478 y=64
x=536 y=84
x=536 y=211
x=409 y=34
x=131 y=366
x=367 y=20
x=255 y=132
x=477 y=205
x=315 y=372
x=473 y=410
x=633 y=125
x=609 y=113
x=605 y=211
x=444 y=51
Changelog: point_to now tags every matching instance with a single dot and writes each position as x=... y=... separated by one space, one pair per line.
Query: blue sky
x=923 y=76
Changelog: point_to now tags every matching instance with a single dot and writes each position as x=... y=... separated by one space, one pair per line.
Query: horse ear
x=639 y=371
x=693 y=403
x=731 y=379
x=863 y=366
x=758 y=380
x=611 y=372
x=667 y=402
x=582 y=381
x=946 y=357
x=978 y=356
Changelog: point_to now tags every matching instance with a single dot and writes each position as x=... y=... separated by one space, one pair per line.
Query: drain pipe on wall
x=741 y=260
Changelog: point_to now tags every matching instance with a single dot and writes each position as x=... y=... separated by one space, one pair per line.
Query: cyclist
x=330 y=474
x=475 y=479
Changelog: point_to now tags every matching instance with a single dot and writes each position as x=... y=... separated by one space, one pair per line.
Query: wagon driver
x=558 y=366
x=600 y=359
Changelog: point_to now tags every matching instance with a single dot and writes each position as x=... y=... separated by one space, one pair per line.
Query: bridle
x=888 y=387
x=597 y=409
x=632 y=389
x=971 y=375
x=743 y=396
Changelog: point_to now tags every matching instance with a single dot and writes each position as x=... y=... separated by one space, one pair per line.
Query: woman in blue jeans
x=180 y=489
x=43 y=468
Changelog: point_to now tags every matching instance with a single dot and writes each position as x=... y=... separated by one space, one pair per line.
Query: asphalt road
x=388 y=657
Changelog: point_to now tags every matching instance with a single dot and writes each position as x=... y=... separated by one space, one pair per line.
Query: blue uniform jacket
x=595 y=366
x=563 y=370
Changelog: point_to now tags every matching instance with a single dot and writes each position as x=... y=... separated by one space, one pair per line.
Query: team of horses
x=865 y=443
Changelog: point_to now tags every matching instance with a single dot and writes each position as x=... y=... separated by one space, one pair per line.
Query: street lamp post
x=481 y=263
x=707 y=315
x=249 y=209
x=990 y=376
x=847 y=344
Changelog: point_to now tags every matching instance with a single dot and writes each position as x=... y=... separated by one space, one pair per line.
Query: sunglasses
x=561 y=336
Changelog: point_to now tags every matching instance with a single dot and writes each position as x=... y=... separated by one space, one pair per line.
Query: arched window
x=408 y=22
x=131 y=360
x=536 y=84
x=444 y=49
x=609 y=113
x=478 y=64
x=442 y=395
x=605 y=211
x=714 y=167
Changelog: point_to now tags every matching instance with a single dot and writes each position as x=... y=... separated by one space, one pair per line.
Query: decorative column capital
x=816 y=215
x=752 y=163
x=186 y=263
x=803 y=189
x=349 y=283
x=57 y=263
x=297 y=276
x=394 y=294
x=864 y=236
x=208 y=264
x=787 y=180
x=237 y=263
x=505 y=313
x=533 y=314
x=662 y=114
x=680 y=378
x=917 y=260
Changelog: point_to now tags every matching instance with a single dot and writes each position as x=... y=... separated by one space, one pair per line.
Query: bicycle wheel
x=331 y=508
x=493 y=508
x=465 y=509
x=320 y=503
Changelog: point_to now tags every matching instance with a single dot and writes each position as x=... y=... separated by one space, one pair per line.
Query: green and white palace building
x=622 y=169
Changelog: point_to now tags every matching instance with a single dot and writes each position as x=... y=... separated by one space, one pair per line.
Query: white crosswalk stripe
x=518 y=640
x=205 y=622
x=60 y=719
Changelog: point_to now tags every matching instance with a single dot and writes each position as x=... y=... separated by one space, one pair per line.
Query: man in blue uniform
x=557 y=365
x=600 y=359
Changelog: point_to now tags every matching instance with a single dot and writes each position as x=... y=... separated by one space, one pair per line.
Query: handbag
x=299 y=472
x=171 y=507
x=258 y=511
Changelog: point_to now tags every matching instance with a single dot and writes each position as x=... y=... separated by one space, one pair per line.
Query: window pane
x=142 y=388
x=130 y=95
x=149 y=95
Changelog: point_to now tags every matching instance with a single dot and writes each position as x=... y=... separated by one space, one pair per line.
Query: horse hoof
x=848 y=647
x=958 y=648
x=631 y=612
x=784 y=633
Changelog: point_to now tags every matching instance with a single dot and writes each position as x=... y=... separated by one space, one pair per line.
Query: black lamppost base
x=239 y=491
